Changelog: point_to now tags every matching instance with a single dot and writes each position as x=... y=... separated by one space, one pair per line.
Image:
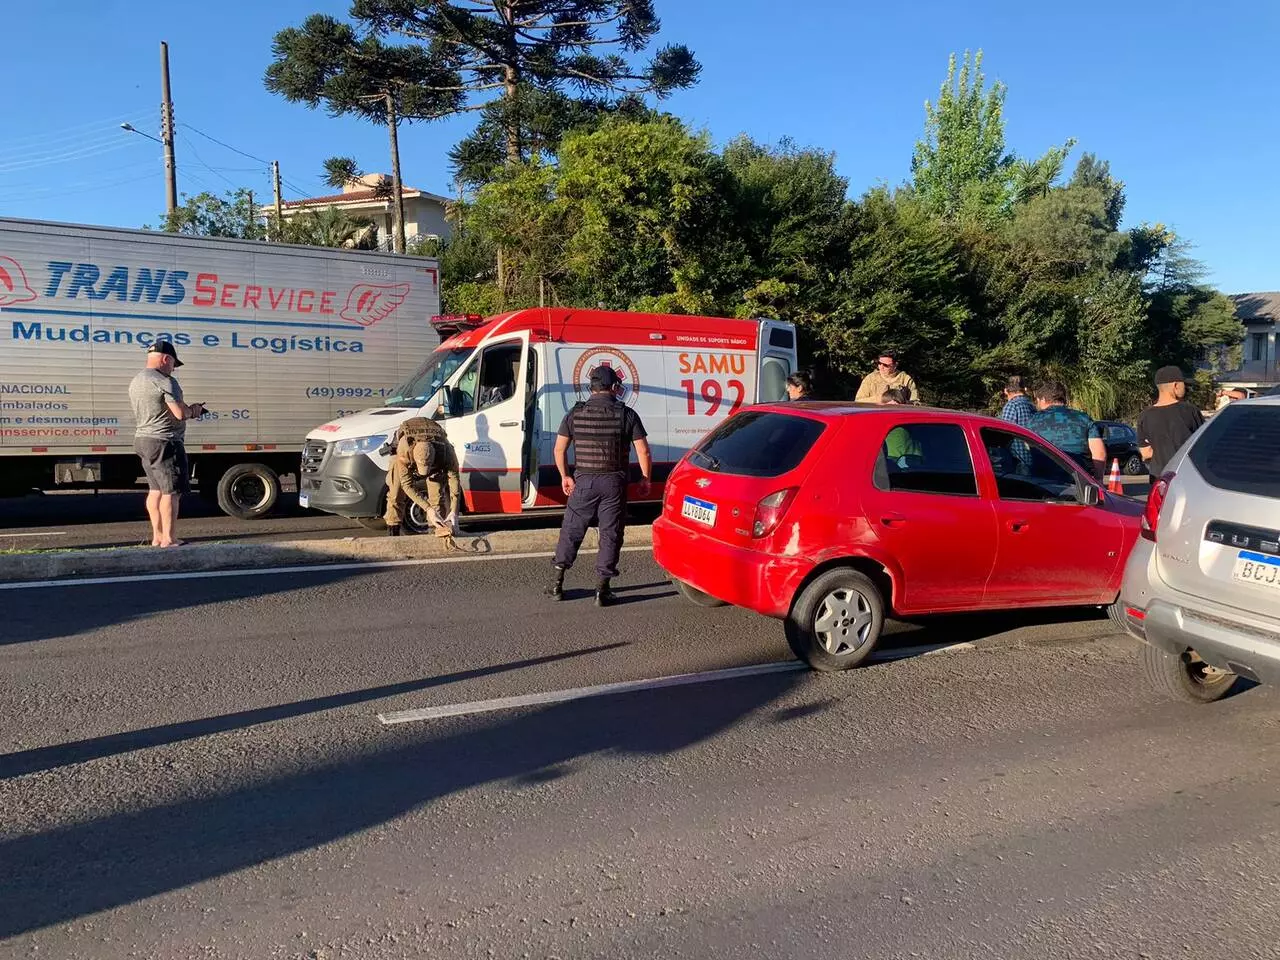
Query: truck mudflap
x=350 y=487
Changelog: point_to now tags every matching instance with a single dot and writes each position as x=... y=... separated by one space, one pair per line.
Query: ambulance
x=501 y=387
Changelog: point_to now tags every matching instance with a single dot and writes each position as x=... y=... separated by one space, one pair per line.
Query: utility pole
x=398 y=200
x=166 y=132
x=275 y=176
x=253 y=215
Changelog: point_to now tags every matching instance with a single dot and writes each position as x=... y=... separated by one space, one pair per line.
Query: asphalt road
x=118 y=518
x=196 y=769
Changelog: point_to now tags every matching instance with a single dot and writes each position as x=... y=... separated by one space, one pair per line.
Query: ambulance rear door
x=778 y=360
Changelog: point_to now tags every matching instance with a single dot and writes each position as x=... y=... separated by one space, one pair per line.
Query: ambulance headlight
x=359 y=445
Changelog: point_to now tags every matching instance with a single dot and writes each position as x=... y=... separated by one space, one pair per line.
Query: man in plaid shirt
x=1018 y=408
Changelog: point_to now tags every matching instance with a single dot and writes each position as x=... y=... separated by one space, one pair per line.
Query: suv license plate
x=1259 y=568
x=699 y=511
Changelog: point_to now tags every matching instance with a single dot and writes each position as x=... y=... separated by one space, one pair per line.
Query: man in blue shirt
x=1018 y=408
x=1071 y=431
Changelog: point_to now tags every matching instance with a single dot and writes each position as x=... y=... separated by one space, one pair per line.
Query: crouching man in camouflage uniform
x=424 y=471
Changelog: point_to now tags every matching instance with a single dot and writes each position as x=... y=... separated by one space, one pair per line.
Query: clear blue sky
x=1182 y=97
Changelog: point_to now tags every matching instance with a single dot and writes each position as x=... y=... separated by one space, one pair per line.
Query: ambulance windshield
x=421 y=387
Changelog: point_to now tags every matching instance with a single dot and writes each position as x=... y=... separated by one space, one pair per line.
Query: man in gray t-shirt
x=161 y=416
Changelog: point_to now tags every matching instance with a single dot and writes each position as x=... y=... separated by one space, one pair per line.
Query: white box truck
x=274 y=339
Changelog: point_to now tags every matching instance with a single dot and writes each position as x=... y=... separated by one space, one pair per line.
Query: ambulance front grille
x=313 y=454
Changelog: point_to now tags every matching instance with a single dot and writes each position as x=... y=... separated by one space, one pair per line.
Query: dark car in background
x=1122 y=444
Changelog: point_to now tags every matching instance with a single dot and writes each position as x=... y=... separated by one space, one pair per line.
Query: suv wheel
x=1185 y=677
x=1134 y=465
x=836 y=622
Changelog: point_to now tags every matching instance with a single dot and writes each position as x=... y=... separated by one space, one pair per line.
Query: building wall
x=423 y=216
x=1265 y=364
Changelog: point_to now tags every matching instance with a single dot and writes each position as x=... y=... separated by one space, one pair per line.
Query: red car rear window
x=758 y=443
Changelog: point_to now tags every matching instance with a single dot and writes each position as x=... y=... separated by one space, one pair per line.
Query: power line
x=82 y=153
x=36 y=140
x=227 y=145
x=293 y=186
x=59 y=191
x=297 y=189
x=186 y=142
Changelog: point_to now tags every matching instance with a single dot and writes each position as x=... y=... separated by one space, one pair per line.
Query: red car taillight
x=770 y=511
x=1155 y=501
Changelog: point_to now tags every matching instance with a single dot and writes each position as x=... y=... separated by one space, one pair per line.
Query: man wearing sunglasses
x=886 y=375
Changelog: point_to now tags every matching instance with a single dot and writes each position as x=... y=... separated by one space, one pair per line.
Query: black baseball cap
x=1170 y=374
x=605 y=377
x=165 y=347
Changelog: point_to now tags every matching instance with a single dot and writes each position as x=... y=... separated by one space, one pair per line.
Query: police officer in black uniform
x=602 y=430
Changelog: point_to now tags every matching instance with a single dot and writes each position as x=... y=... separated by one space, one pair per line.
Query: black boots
x=555 y=589
x=604 y=594
x=393 y=530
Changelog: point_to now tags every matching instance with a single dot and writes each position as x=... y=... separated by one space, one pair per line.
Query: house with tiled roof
x=1260 y=314
x=424 y=213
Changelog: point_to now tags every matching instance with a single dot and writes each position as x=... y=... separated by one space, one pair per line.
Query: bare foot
x=174 y=543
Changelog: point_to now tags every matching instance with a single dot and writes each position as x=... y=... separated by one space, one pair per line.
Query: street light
x=132 y=129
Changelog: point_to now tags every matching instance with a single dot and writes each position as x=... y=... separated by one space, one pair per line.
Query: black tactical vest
x=598 y=443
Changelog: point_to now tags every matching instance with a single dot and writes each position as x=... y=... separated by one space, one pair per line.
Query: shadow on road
x=48 y=613
x=70 y=872
x=81 y=751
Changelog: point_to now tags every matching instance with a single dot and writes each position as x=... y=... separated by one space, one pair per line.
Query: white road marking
x=633 y=686
x=304 y=568
x=51 y=533
x=582 y=693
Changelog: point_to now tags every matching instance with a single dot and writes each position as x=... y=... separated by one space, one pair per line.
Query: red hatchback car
x=834 y=516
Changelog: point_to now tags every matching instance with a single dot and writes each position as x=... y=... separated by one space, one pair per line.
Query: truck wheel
x=1185 y=677
x=696 y=596
x=248 y=491
x=836 y=622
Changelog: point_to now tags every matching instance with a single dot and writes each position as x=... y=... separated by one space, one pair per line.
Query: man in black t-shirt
x=1168 y=423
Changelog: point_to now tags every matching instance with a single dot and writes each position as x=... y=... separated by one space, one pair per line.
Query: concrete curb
x=128 y=561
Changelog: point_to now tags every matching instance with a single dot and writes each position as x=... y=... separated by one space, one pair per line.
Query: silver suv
x=1202 y=586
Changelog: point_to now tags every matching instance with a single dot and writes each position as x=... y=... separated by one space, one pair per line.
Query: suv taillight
x=770 y=511
x=1155 y=501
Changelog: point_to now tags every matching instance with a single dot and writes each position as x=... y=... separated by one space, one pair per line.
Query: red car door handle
x=1018 y=526
x=893 y=519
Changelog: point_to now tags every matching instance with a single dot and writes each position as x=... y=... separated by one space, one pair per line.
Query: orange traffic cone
x=1113 y=482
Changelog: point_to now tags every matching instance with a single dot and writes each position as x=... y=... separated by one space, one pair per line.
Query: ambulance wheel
x=415 y=520
x=248 y=491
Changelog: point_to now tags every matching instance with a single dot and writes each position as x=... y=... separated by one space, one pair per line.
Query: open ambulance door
x=486 y=413
x=777 y=360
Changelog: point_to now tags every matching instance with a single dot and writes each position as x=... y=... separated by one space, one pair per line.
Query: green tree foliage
x=325 y=62
x=330 y=227
x=961 y=168
x=987 y=265
x=645 y=199
x=208 y=215
x=789 y=211
x=536 y=68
